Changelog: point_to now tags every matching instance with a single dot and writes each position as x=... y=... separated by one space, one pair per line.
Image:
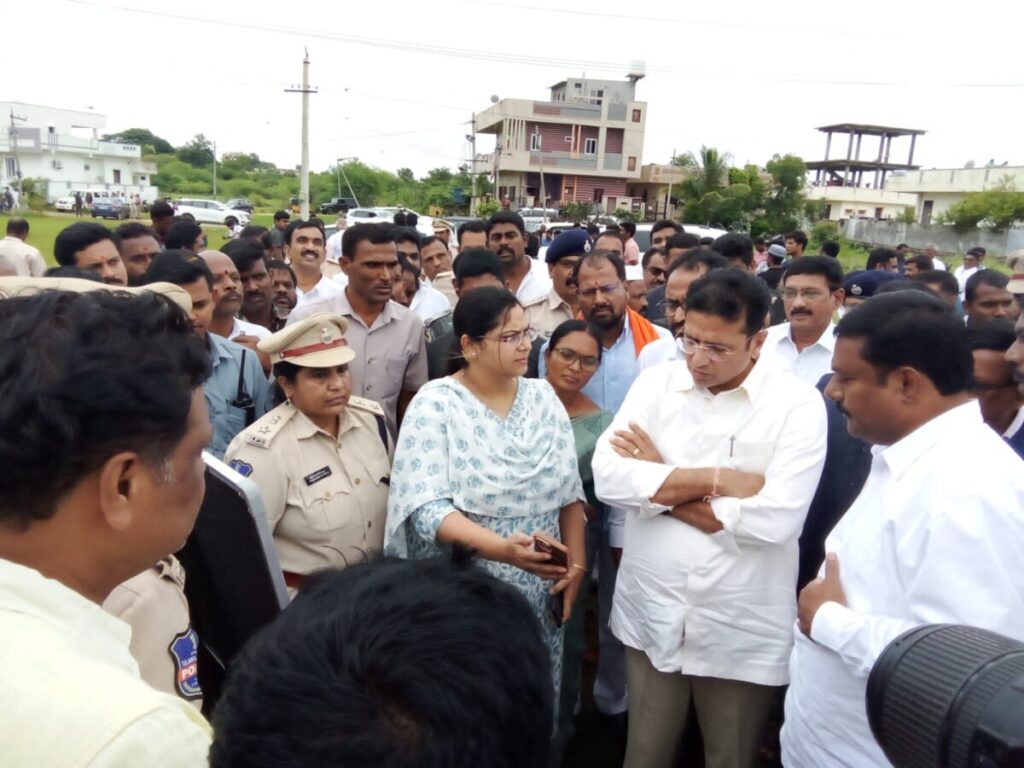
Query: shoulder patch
x=366 y=405
x=263 y=432
x=184 y=650
x=241 y=467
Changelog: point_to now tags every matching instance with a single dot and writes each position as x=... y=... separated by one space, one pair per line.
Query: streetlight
x=339 y=172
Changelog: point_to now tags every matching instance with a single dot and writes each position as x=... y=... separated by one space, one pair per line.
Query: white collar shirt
x=428 y=302
x=808 y=364
x=920 y=545
x=1015 y=425
x=663 y=350
x=720 y=605
x=74 y=696
x=245 y=328
x=334 y=246
x=537 y=282
x=27 y=260
x=323 y=291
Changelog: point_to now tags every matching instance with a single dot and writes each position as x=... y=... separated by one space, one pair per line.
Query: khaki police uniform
x=545 y=313
x=325 y=497
x=163 y=642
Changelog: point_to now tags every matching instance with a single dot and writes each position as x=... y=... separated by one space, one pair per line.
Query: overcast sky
x=398 y=81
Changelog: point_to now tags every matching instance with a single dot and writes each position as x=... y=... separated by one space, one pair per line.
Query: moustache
x=314 y=254
x=233 y=295
x=804 y=312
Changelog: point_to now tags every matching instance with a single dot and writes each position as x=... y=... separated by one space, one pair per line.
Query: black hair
x=375 y=234
x=733 y=245
x=902 y=245
x=996 y=334
x=667 y=224
x=988 y=277
x=978 y=252
x=706 y=241
x=131 y=230
x=245 y=253
x=532 y=245
x=476 y=262
x=278 y=215
x=254 y=231
x=880 y=256
x=732 y=295
x=160 y=209
x=922 y=262
x=231 y=217
x=430 y=240
x=289 y=371
x=576 y=326
x=506 y=217
x=182 y=235
x=406 y=219
x=595 y=257
x=628 y=227
x=895 y=286
x=85 y=376
x=474 y=225
x=476 y=314
x=177 y=267
x=947 y=282
x=759 y=240
x=358 y=682
x=77 y=237
x=915 y=330
x=649 y=254
x=825 y=266
x=830 y=248
x=17 y=227
x=81 y=274
x=690 y=260
x=799 y=237
x=300 y=224
x=405 y=235
x=685 y=240
x=284 y=267
x=592 y=229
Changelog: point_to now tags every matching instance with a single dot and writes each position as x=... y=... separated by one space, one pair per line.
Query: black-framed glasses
x=569 y=357
x=607 y=290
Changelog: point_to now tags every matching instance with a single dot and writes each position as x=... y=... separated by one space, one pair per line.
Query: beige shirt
x=72 y=693
x=545 y=313
x=326 y=498
x=391 y=355
x=444 y=282
x=163 y=642
x=26 y=259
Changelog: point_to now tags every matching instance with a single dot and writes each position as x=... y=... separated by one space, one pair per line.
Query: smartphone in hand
x=559 y=556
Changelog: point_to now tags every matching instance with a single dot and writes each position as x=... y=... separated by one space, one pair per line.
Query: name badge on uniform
x=317 y=476
x=184 y=650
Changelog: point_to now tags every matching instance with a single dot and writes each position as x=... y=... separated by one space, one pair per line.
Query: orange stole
x=643 y=330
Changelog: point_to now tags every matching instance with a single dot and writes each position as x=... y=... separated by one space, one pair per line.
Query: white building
x=937 y=189
x=63 y=147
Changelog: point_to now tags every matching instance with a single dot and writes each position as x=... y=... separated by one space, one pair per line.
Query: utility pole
x=472 y=166
x=543 y=194
x=305 y=90
x=338 y=167
x=14 y=148
x=215 y=170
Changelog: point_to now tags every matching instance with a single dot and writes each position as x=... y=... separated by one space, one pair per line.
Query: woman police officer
x=321 y=459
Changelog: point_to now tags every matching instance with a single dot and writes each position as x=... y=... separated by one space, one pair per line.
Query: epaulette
x=262 y=433
x=535 y=301
x=366 y=405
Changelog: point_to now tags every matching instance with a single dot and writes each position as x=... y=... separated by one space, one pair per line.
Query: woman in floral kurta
x=508 y=474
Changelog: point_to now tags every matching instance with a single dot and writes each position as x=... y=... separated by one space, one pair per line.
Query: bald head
x=227 y=295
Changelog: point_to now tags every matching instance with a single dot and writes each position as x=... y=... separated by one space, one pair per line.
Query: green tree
x=784 y=200
x=576 y=211
x=143 y=137
x=996 y=209
x=710 y=173
x=198 y=152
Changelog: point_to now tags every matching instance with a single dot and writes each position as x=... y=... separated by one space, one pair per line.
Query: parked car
x=65 y=203
x=643 y=233
x=338 y=205
x=208 y=211
x=240 y=204
x=386 y=215
x=109 y=208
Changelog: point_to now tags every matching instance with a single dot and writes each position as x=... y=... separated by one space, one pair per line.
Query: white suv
x=208 y=211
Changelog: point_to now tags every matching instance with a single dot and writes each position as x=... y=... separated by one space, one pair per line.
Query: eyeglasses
x=515 y=339
x=607 y=290
x=807 y=294
x=567 y=356
x=716 y=352
x=671 y=307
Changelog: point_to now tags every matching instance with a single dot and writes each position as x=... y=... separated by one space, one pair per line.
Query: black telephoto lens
x=949 y=696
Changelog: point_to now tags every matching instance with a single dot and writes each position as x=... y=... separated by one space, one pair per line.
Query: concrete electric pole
x=14 y=149
x=305 y=90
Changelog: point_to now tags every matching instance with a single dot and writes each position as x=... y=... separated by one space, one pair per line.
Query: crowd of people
x=763 y=469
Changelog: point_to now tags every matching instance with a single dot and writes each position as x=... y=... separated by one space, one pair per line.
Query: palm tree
x=710 y=171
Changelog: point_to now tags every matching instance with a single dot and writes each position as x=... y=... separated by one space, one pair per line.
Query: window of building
x=569 y=192
x=86 y=167
x=117 y=176
x=590 y=146
x=631 y=164
x=10 y=167
x=568 y=139
x=535 y=142
x=636 y=115
x=598 y=194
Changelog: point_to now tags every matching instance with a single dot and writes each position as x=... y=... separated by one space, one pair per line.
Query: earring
x=475 y=354
x=287 y=398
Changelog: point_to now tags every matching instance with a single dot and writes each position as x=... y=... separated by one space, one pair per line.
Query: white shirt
x=536 y=283
x=244 y=328
x=661 y=351
x=962 y=275
x=720 y=605
x=920 y=545
x=72 y=692
x=1015 y=425
x=809 y=364
x=334 y=246
x=322 y=291
x=428 y=302
x=26 y=260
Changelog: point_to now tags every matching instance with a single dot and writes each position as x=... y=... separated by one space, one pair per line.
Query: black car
x=239 y=204
x=338 y=205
